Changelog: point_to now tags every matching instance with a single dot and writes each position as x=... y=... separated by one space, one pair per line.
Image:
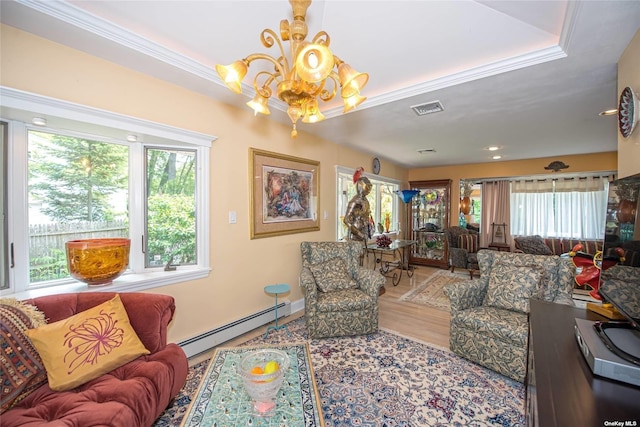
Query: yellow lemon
x=271 y=367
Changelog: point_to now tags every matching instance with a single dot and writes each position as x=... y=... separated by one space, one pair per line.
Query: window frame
x=376 y=210
x=18 y=107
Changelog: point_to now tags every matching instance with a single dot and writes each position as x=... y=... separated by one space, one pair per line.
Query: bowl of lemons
x=262 y=373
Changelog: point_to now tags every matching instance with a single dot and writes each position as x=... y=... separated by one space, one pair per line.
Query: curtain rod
x=543 y=177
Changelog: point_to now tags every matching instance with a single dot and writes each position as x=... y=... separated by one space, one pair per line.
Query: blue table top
x=277 y=289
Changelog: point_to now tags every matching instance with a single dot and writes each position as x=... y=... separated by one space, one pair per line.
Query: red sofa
x=132 y=395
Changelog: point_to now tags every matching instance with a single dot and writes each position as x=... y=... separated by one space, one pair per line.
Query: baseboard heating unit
x=217 y=336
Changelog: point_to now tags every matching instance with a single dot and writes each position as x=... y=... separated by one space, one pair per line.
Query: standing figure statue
x=358 y=210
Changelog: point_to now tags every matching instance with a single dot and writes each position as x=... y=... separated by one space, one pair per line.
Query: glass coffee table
x=221 y=399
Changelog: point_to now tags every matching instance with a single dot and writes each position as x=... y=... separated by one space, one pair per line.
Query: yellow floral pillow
x=87 y=345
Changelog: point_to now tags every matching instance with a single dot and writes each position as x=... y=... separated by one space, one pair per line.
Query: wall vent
x=428 y=108
x=427 y=150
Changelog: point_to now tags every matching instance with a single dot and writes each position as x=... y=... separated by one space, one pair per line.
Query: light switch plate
x=232 y=217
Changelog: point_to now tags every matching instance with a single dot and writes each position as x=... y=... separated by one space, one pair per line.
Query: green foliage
x=74 y=177
x=49 y=267
x=170 y=172
x=172 y=228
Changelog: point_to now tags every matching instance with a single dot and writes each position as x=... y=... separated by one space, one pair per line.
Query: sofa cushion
x=468 y=242
x=332 y=275
x=533 y=245
x=510 y=287
x=85 y=346
x=495 y=323
x=22 y=368
x=344 y=300
x=134 y=394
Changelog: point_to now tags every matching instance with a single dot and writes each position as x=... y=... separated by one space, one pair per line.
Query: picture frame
x=498 y=234
x=284 y=194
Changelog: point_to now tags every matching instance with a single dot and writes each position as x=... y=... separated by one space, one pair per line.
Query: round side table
x=276 y=290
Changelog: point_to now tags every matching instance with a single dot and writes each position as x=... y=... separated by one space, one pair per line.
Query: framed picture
x=284 y=194
x=498 y=233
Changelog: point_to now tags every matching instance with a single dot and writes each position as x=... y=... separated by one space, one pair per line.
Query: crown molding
x=71 y=14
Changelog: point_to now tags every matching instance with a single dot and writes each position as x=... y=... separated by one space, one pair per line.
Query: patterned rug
x=430 y=292
x=384 y=379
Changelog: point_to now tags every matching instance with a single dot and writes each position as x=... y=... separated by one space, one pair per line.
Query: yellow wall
x=241 y=267
x=629 y=75
x=598 y=162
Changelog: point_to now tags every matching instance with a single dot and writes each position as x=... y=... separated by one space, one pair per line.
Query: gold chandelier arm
x=264 y=89
x=325 y=94
x=269 y=38
x=255 y=56
x=322 y=38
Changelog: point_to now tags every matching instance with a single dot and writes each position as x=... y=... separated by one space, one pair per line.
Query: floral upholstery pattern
x=622 y=272
x=496 y=337
x=510 y=287
x=332 y=275
x=460 y=256
x=352 y=311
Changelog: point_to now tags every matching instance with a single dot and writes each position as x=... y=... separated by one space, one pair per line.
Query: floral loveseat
x=133 y=394
x=340 y=296
x=490 y=316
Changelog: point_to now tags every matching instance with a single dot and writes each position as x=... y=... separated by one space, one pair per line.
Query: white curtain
x=581 y=208
x=532 y=208
x=570 y=208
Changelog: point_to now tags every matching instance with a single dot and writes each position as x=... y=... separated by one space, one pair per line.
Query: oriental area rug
x=384 y=379
x=430 y=292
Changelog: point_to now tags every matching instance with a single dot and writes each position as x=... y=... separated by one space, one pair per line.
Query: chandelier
x=314 y=72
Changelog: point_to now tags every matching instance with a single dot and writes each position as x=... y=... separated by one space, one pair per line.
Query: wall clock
x=376 y=165
x=627 y=112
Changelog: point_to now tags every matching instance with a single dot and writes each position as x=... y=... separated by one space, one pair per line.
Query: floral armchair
x=490 y=317
x=463 y=246
x=340 y=296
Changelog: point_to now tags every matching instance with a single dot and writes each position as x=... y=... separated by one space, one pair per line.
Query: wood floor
x=411 y=320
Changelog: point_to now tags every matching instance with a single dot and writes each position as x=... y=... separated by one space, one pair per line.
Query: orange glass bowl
x=97 y=261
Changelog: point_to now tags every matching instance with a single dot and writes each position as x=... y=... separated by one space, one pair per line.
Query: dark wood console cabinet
x=561 y=390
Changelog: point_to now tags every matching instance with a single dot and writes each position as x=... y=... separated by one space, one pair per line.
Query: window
x=383 y=202
x=571 y=208
x=76 y=179
x=171 y=207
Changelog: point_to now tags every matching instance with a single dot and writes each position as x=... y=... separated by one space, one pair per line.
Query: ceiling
x=527 y=76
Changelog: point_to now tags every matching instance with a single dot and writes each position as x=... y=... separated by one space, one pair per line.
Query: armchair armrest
x=467 y=294
x=369 y=281
x=309 y=288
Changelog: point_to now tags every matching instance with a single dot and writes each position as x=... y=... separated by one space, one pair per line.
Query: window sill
x=125 y=283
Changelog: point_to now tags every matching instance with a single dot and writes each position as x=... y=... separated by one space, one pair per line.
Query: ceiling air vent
x=426 y=150
x=428 y=108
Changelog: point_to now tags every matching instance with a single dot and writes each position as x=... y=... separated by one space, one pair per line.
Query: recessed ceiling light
x=496 y=157
x=39 y=121
x=493 y=148
x=132 y=138
x=608 y=112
